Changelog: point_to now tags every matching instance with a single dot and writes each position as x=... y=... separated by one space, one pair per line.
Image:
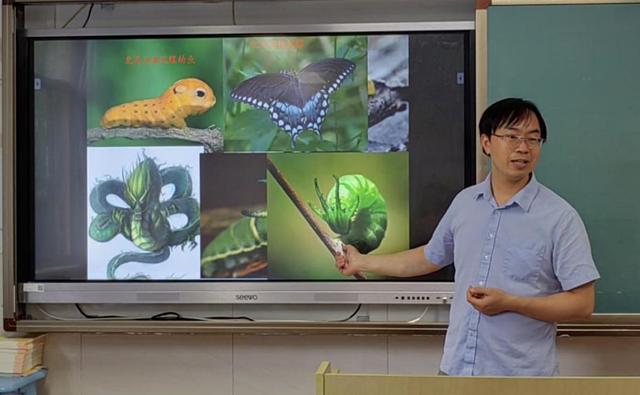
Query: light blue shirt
x=534 y=245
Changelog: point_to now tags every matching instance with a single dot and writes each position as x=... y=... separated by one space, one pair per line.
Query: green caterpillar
x=355 y=210
x=239 y=250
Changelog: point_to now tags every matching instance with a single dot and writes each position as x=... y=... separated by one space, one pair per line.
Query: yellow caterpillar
x=186 y=97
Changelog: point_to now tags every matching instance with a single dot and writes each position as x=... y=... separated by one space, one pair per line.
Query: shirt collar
x=523 y=198
x=484 y=189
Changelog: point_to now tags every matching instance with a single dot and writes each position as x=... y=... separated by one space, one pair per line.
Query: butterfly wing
x=317 y=81
x=260 y=91
x=325 y=74
x=279 y=93
x=315 y=110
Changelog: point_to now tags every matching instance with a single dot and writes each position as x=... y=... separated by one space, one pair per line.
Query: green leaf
x=254 y=128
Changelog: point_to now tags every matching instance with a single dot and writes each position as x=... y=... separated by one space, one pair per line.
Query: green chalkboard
x=581 y=65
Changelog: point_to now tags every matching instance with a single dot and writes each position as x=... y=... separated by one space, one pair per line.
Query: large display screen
x=237 y=158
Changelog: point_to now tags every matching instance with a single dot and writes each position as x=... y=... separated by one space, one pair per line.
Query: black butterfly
x=296 y=100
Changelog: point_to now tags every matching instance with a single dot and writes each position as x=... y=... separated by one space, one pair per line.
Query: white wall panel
x=285 y=365
x=63 y=357
x=599 y=356
x=352 y=11
x=415 y=354
x=180 y=13
x=156 y=364
x=248 y=12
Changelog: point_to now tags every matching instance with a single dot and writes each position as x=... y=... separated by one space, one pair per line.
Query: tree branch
x=386 y=102
x=211 y=139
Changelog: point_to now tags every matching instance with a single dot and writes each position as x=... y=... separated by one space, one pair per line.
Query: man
x=522 y=257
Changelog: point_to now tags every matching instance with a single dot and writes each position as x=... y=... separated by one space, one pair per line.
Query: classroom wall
x=95 y=364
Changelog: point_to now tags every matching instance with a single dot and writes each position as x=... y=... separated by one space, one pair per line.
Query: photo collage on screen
x=245 y=157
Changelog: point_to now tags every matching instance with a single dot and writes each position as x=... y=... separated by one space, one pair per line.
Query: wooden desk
x=332 y=382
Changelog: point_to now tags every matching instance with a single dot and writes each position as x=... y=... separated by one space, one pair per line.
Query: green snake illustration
x=145 y=221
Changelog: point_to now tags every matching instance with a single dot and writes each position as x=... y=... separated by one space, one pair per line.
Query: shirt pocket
x=524 y=262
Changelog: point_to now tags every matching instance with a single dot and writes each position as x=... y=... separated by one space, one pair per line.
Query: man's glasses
x=514 y=141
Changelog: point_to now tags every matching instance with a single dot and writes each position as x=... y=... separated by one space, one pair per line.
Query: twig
x=386 y=102
x=211 y=139
x=333 y=247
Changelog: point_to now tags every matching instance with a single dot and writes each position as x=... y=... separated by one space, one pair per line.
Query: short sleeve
x=572 y=260
x=439 y=250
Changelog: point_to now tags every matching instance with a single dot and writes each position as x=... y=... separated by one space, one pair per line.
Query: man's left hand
x=489 y=301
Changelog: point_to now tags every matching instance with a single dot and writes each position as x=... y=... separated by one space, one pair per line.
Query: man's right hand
x=409 y=263
x=351 y=261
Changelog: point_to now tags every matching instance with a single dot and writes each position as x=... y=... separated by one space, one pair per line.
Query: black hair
x=508 y=112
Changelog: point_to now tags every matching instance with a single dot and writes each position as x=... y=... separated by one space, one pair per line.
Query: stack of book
x=21 y=355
